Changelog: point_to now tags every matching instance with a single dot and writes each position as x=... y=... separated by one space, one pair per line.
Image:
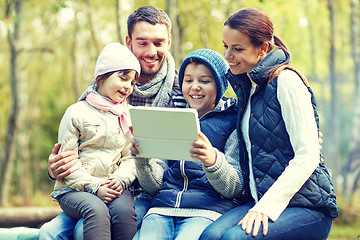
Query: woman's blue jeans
x=294 y=223
x=158 y=227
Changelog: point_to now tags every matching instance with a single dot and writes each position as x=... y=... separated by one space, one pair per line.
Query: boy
x=189 y=195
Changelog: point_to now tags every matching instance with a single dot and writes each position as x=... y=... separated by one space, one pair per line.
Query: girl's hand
x=203 y=150
x=106 y=194
x=134 y=146
x=254 y=218
x=115 y=185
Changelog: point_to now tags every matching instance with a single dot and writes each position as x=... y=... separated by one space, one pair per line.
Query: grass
x=347 y=225
x=339 y=232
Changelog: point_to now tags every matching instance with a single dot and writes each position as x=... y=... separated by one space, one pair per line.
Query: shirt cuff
x=124 y=186
x=51 y=178
x=92 y=188
x=217 y=164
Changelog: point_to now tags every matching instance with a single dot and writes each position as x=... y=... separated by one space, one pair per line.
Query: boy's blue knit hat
x=217 y=65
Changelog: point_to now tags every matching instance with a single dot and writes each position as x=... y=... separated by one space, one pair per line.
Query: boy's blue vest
x=198 y=193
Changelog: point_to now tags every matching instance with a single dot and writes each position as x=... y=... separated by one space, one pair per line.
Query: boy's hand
x=59 y=164
x=203 y=150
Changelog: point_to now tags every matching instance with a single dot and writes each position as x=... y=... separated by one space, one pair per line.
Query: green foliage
x=344 y=232
x=50 y=39
x=346 y=226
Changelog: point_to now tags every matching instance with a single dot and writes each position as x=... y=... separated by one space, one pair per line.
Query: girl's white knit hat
x=115 y=57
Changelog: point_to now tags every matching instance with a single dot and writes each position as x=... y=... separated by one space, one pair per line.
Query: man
x=149 y=38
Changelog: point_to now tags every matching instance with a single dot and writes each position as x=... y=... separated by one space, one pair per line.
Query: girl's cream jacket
x=103 y=148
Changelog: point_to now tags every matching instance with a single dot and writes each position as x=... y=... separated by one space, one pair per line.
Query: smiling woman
x=278 y=126
x=240 y=53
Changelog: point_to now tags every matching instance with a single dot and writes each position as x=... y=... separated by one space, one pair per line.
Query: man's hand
x=59 y=164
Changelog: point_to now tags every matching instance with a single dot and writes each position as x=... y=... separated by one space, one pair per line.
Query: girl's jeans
x=116 y=220
x=158 y=227
x=67 y=228
x=294 y=223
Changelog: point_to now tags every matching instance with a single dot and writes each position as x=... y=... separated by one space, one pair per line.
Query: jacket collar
x=257 y=74
x=223 y=104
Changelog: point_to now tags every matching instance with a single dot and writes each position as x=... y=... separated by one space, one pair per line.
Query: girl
x=98 y=128
x=291 y=190
x=188 y=196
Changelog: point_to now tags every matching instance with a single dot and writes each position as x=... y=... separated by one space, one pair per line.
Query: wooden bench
x=23 y=223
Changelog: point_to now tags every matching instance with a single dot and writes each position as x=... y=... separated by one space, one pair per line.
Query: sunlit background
x=48 y=51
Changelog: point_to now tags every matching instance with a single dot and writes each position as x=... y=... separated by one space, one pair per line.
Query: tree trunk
x=74 y=58
x=355 y=41
x=118 y=21
x=24 y=187
x=13 y=37
x=91 y=27
x=333 y=116
x=312 y=52
x=353 y=165
x=27 y=216
x=173 y=12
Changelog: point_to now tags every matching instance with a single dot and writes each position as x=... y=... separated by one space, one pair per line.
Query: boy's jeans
x=156 y=227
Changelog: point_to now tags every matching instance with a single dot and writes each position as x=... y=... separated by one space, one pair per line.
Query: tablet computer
x=165 y=133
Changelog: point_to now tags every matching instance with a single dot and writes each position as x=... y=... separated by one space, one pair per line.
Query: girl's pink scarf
x=119 y=109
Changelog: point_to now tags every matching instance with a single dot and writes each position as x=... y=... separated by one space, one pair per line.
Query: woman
x=292 y=196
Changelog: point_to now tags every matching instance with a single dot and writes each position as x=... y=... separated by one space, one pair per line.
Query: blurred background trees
x=48 y=51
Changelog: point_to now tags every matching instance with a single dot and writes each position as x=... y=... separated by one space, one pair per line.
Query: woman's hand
x=59 y=164
x=133 y=148
x=320 y=140
x=106 y=193
x=203 y=150
x=254 y=219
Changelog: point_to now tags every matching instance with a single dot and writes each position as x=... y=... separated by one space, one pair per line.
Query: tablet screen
x=165 y=133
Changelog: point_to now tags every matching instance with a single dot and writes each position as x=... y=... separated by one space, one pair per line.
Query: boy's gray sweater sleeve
x=150 y=173
x=226 y=174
